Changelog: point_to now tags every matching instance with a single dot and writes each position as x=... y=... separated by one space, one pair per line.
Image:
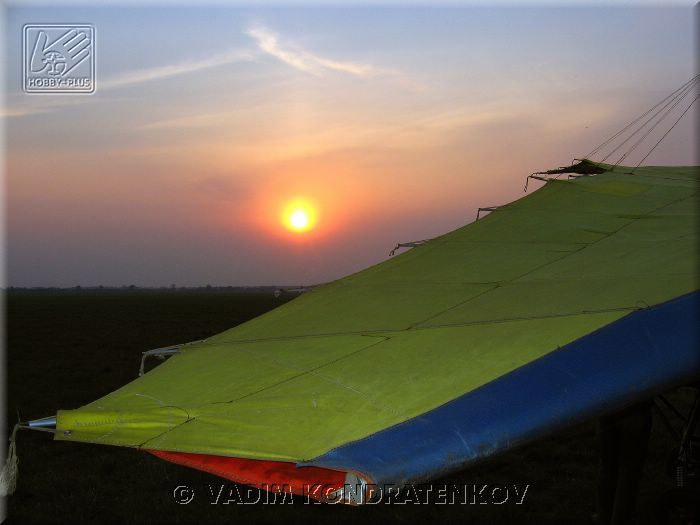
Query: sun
x=299 y=216
x=299 y=220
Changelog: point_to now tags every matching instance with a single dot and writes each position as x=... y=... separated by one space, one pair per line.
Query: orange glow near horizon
x=299 y=216
x=308 y=202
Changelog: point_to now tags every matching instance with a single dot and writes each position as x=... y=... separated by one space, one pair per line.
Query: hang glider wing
x=575 y=300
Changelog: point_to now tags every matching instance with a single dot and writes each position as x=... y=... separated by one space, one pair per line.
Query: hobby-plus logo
x=59 y=58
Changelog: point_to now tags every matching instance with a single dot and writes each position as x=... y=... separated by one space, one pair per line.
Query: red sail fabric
x=316 y=483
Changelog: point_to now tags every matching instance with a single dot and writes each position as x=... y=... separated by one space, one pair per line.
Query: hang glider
x=578 y=299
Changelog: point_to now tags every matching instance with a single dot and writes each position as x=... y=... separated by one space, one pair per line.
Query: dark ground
x=67 y=348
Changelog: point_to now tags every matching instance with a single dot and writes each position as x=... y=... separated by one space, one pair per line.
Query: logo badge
x=59 y=58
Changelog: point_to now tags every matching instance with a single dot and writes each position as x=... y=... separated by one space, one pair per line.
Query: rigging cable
x=674 y=100
x=669 y=131
x=605 y=143
x=651 y=129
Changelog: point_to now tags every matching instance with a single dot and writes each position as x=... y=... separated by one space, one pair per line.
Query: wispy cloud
x=17 y=109
x=269 y=42
x=160 y=72
x=137 y=76
x=190 y=121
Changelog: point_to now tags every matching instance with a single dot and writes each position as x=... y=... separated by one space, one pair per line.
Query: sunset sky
x=390 y=124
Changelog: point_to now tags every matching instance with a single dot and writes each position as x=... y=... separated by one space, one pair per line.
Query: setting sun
x=299 y=216
x=299 y=220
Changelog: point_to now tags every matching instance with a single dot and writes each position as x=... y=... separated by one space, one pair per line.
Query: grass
x=66 y=348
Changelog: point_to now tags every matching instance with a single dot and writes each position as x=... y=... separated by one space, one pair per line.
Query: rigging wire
x=672 y=102
x=651 y=129
x=606 y=142
x=667 y=132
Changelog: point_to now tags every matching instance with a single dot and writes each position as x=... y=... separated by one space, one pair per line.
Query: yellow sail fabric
x=382 y=346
